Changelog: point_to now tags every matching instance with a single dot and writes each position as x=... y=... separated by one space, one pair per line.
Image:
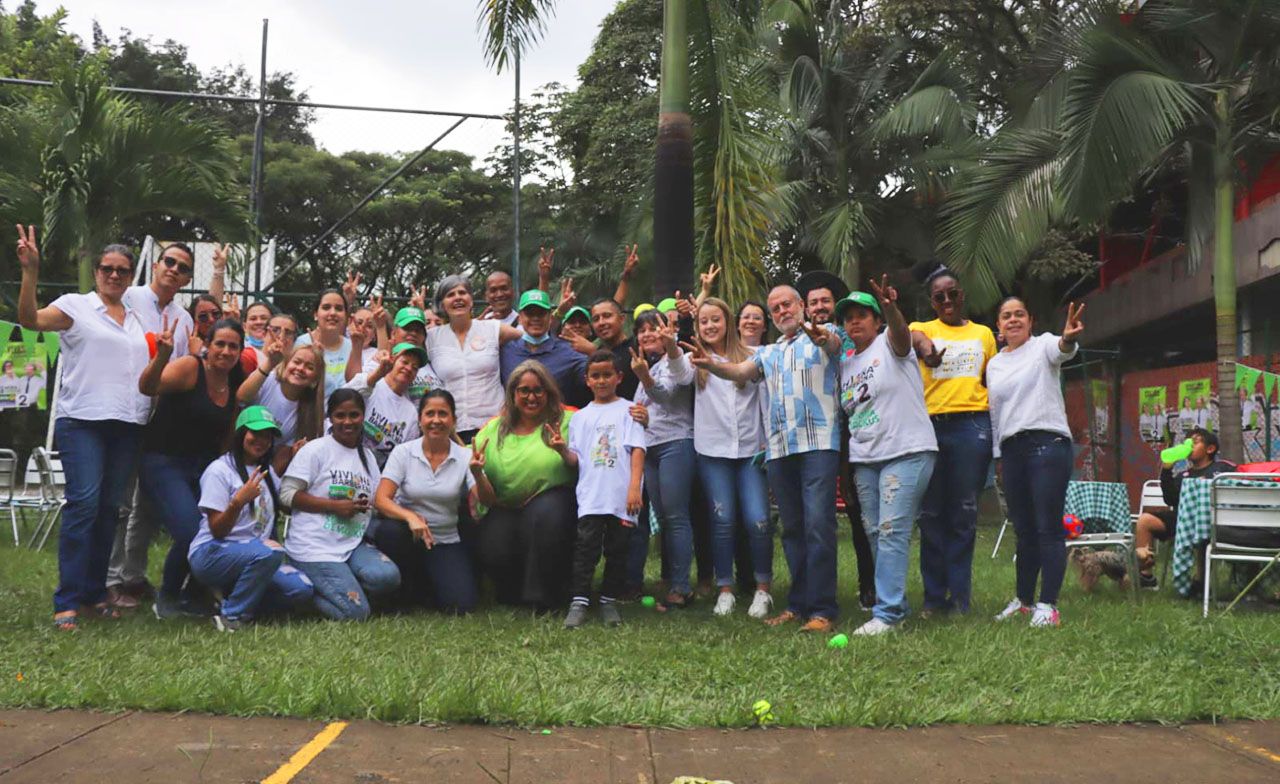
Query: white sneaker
x=1011 y=609
x=873 y=628
x=1045 y=615
x=761 y=605
x=725 y=603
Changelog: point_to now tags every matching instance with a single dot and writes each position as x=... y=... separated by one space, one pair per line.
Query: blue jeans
x=949 y=514
x=890 y=493
x=251 y=577
x=342 y=589
x=172 y=485
x=737 y=492
x=97 y=457
x=804 y=487
x=1036 y=467
x=669 y=475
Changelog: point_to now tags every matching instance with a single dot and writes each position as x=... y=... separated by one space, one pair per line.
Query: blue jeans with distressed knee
x=890 y=492
x=739 y=501
x=343 y=588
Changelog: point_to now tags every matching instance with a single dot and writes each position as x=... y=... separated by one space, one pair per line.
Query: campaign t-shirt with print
x=956 y=385
x=602 y=436
x=424 y=382
x=219 y=482
x=883 y=397
x=390 y=419
x=330 y=470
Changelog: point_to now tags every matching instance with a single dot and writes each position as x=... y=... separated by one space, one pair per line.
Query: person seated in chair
x=1202 y=464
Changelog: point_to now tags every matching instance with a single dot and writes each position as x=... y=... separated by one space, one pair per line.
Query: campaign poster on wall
x=1152 y=418
x=1195 y=405
x=23 y=376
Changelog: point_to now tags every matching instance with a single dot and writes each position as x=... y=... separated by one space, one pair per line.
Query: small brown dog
x=1095 y=564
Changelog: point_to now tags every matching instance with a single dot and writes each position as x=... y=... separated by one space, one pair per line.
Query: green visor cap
x=534 y=298
x=643 y=307
x=409 y=348
x=860 y=298
x=410 y=315
x=667 y=305
x=258 y=418
x=577 y=310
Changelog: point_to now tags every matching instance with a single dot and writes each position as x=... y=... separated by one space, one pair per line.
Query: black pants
x=441 y=577
x=527 y=552
x=597 y=533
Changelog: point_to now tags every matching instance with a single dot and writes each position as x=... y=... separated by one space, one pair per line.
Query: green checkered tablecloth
x=1194 y=514
x=1103 y=506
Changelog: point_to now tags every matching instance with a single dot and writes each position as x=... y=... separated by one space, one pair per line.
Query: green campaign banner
x=1151 y=413
x=24 y=374
x=1247 y=378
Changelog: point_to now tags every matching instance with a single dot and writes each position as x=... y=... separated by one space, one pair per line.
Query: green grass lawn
x=1112 y=660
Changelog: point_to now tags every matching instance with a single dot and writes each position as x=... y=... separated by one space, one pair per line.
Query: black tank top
x=190 y=424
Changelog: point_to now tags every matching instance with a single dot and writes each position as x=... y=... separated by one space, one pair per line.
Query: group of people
x=421 y=454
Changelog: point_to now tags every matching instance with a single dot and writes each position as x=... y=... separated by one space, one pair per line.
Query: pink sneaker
x=1045 y=615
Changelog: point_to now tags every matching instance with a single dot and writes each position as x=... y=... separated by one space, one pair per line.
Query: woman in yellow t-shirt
x=953 y=353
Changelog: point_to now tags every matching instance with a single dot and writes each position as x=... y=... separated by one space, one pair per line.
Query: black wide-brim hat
x=821 y=279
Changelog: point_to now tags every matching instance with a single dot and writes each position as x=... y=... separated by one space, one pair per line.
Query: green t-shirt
x=523 y=466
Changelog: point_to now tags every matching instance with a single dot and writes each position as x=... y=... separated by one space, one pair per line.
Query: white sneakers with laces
x=1045 y=615
x=761 y=605
x=725 y=603
x=874 y=628
x=1011 y=609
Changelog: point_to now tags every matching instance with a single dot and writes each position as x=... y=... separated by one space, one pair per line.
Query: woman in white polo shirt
x=99 y=417
x=1033 y=442
x=423 y=484
x=465 y=354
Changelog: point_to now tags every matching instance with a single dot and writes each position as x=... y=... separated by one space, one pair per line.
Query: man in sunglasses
x=154 y=304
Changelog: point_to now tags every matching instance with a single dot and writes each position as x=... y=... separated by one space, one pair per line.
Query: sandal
x=786 y=616
x=678 y=601
x=818 y=624
x=67 y=621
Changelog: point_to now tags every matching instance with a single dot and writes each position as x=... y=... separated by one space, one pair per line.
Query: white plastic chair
x=8 y=487
x=1004 y=512
x=1253 y=506
x=52 y=498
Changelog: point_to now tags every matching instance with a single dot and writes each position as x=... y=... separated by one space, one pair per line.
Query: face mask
x=252 y=341
x=531 y=340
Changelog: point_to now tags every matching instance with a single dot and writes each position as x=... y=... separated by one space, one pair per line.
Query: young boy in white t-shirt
x=607 y=447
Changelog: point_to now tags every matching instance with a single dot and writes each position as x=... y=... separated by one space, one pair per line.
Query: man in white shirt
x=155 y=304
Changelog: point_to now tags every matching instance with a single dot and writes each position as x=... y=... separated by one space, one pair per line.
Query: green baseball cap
x=535 y=298
x=667 y=305
x=258 y=418
x=860 y=298
x=410 y=348
x=410 y=315
x=577 y=310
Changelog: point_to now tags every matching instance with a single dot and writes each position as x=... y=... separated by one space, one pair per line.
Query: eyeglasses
x=531 y=391
x=282 y=331
x=172 y=263
x=118 y=272
x=950 y=295
x=207 y=316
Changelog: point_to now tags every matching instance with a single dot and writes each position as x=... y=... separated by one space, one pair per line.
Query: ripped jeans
x=739 y=502
x=890 y=493
x=343 y=588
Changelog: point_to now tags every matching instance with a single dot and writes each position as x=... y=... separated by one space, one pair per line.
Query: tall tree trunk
x=1224 y=288
x=673 y=174
x=84 y=269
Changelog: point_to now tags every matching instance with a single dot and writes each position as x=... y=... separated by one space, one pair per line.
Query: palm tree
x=105 y=159
x=1185 y=85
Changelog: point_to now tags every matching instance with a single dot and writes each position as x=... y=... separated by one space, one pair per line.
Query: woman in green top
x=525 y=541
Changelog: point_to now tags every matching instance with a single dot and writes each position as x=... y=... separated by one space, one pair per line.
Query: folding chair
x=1253 y=507
x=1152 y=498
x=52 y=498
x=8 y=484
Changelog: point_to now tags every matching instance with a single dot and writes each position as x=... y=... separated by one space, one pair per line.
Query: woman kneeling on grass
x=892 y=446
x=1029 y=424
x=329 y=485
x=423 y=484
x=234 y=551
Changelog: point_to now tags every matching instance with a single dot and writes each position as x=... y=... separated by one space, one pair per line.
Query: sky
x=421 y=54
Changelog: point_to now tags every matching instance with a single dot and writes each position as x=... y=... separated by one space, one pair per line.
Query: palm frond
x=508 y=26
x=936 y=107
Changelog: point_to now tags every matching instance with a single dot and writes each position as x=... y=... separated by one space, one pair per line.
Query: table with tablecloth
x=1195 y=511
x=1102 y=506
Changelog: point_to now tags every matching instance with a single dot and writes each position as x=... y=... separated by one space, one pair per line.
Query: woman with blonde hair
x=290 y=386
x=728 y=437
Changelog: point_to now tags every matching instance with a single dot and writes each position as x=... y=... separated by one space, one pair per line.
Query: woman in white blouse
x=729 y=438
x=98 y=422
x=464 y=353
x=1033 y=442
x=669 y=462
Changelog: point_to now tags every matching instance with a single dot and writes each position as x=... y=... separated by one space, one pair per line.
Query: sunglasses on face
x=115 y=272
x=950 y=295
x=172 y=263
x=207 y=316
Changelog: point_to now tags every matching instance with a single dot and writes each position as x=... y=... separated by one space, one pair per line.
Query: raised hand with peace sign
x=633 y=261
x=1073 y=327
x=546 y=258
x=351 y=288
x=28 y=251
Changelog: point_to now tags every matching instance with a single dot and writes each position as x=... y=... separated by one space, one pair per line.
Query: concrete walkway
x=131 y=748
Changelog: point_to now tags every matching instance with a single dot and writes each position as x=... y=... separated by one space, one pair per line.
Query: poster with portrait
x=1152 y=419
x=23 y=376
x=1195 y=405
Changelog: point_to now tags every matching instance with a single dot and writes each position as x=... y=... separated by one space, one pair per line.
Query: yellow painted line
x=1259 y=750
x=303 y=756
